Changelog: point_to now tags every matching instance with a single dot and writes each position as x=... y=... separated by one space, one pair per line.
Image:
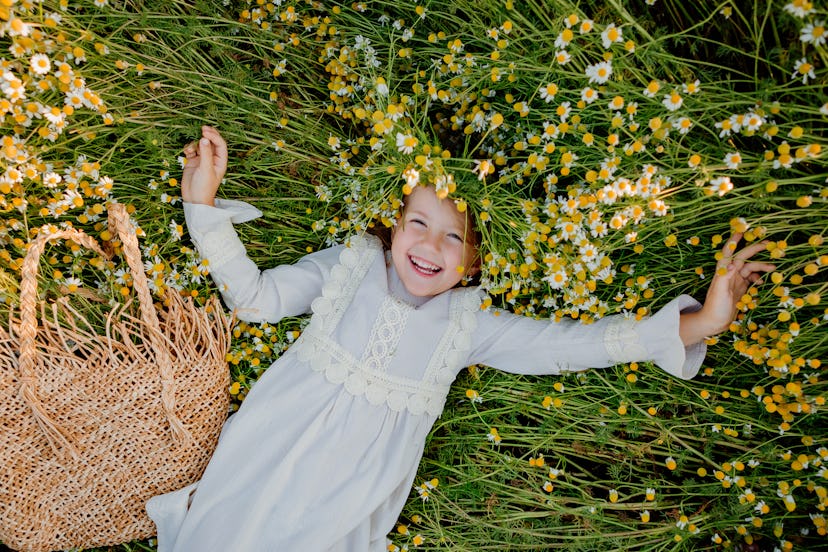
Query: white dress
x=324 y=450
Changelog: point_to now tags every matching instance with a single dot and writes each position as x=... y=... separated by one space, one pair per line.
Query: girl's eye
x=456 y=237
x=418 y=222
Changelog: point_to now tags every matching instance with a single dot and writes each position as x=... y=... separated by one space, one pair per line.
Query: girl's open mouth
x=424 y=267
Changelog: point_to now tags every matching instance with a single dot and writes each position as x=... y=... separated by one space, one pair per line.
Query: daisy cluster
x=45 y=97
x=555 y=161
x=47 y=184
x=577 y=143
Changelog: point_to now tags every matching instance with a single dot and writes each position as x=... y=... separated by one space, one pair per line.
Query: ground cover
x=606 y=150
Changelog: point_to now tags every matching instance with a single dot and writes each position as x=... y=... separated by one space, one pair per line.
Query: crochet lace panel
x=368 y=376
x=220 y=245
x=386 y=334
x=622 y=341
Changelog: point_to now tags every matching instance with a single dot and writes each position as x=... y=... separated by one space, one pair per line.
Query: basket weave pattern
x=94 y=423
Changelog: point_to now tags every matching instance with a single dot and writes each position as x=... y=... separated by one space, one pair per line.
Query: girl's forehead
x=424 y=199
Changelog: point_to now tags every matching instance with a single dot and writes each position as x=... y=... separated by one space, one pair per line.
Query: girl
x=323 y=452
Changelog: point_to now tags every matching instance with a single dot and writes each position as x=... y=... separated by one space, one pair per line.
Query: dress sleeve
x=523 y=345
x=255 y=295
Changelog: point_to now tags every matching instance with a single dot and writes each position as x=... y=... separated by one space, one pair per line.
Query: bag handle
x=58 y=437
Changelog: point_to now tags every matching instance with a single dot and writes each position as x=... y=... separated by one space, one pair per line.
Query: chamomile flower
x=334 y=142
x=652 y=89
x=72 y=284
x=176 y=230
x=556 y=279
x=799 y=8
x=494 y=436
x=720 y=185
x=51 y=179
x=412 y=177
x=803 y=69
x=611 y=35
x=548 y=91
x=814 y=33
x=568 y=230
x=672 y=101
x=381 y=87
x=483 y=168
x=562 y=57
x=589 y=95
x=563 y=111
x=752 y=121
x=406 y=143
x=564 y=38
x=733 y=159
x=683 y=125
x=599 y=73
x=40 y=64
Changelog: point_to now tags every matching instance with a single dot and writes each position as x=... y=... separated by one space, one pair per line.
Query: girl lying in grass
x=323 y=452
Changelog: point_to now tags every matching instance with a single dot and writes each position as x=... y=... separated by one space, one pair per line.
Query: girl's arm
x=523 y=345
x=673 y=337
x=255 y=295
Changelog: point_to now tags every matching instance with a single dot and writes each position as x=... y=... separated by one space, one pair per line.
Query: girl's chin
x=429 y=286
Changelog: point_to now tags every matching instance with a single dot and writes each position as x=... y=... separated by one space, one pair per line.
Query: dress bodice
x=381 y=346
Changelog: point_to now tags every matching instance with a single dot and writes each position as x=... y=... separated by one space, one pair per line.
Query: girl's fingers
x=756 y=268
x=729 y=248
x=219 y=154
x=751 y=250
x=213 y=135
x=730 y=255
x=205 y=148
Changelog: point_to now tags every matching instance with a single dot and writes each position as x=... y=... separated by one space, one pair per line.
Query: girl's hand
x=205 y=167
x=735 y=272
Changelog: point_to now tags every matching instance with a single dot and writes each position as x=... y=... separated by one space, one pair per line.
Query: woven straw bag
x=92 y=425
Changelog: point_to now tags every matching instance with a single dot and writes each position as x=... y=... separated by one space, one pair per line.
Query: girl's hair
x=383 y=233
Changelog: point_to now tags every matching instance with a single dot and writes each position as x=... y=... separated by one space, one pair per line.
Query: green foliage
x=622 y=459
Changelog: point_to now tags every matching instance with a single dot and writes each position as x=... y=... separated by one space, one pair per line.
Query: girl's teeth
x=425 y=266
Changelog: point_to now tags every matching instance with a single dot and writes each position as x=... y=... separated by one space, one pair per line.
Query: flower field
x=605 y=149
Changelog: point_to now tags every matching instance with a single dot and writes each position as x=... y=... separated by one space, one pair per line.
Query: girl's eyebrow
x=417 y=212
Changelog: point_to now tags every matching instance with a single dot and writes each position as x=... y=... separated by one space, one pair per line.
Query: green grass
x=753 y=420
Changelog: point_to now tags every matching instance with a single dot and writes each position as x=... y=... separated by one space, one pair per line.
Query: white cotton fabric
x=323 y=452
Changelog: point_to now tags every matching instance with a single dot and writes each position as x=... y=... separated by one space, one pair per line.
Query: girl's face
x=432 y=246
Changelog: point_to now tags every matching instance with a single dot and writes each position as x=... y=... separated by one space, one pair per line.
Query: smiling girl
x=322 y=454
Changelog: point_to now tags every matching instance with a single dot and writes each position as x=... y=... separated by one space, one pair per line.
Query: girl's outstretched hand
x=205 y=167
x=735 y=273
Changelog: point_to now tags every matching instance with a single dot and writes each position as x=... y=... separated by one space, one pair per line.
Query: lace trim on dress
x=220 y=245
x=386 y=334
x=345 y=278
x=622 y=341
x=452 y=350
x=368 y=376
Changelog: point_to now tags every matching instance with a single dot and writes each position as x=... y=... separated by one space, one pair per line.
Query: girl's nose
x=432 y=239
